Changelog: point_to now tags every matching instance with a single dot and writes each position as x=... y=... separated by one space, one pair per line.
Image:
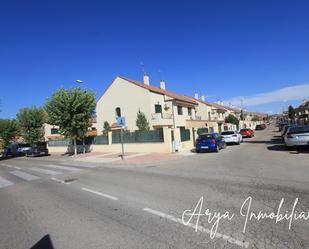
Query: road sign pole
x=122 y=147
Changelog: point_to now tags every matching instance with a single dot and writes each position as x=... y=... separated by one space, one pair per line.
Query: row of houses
x=302 y=112
x=164 y=109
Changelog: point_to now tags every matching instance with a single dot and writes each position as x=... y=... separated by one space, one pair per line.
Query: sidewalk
x=134 y=158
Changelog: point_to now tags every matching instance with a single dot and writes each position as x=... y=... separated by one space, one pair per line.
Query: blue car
x=209 y=142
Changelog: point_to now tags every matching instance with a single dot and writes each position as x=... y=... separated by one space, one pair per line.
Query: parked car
x=38 y=149
x=281 y=125
x=18 y=149
x=259 y=127
x=24 y=148
x=297 y=135
x=6 y=152
x=209 y=142
x=284 y=130
x=232 y=137
x=247 y=132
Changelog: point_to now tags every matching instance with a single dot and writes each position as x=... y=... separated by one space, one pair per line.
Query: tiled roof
x=217 y=106
x=155 y=89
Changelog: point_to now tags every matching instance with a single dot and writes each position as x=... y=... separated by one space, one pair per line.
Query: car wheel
x=197 y=151
x=224 y=146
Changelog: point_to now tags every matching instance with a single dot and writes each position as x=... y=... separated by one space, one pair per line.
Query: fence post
x=110 y=137
x=167 y=138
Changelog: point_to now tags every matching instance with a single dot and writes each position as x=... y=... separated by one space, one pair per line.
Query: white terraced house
x=125 y=97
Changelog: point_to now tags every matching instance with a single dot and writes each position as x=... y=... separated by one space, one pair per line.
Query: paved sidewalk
x=136 y=158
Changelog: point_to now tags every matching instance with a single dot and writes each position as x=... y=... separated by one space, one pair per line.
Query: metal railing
x=139 y=137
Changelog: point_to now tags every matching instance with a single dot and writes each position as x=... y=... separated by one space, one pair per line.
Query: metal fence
x=59 y=142
x=102 y=139
x=184 y=135
x=139 y=137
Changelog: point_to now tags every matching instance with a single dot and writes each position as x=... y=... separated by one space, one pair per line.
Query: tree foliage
x=255 y=118
x=141 y=121
x=291 y=112
x=232 y=119
x=106 y=128
x=31 y=122
x=8 y=131
x=72 y=111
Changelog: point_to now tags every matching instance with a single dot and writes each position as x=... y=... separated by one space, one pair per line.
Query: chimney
x=162 y=84
x=146 y=79
x=196 y=95
x=203 y=97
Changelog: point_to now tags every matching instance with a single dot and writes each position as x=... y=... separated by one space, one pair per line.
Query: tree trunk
x=75 y=147
x=84 y=146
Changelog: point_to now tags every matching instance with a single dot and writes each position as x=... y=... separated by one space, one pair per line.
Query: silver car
x=232 y=137
x=297 y=136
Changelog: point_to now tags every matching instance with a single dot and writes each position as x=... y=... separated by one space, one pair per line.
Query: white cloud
x=298 y=92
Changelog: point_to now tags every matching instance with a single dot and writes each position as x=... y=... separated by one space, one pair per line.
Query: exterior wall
x=129 y=97
x=47 y=132
x=160 y=147
x=180 y=120
x=202 y=124
x=166 y=119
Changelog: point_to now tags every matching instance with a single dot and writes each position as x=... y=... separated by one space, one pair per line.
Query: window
x=158 y=109
x=209 y=117
x=189 y=111
x=54 y=131
x=118 y=112
x=179 y=110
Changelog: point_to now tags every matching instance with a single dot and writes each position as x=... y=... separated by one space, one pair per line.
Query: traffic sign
x=121 y=121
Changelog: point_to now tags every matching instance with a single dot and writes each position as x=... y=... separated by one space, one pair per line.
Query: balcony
x=161 y=119
x=196 y=118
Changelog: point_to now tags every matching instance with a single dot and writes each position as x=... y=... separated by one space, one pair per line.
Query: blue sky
x=227 y=50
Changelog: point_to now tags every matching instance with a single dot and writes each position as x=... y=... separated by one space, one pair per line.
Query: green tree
x=31 y=122
x=8 y=131
x=232 y=119
x=291 y=112
x=255 y=118
x=72 y=111
x=106 y=128
x=141 y=121
x=242 y=116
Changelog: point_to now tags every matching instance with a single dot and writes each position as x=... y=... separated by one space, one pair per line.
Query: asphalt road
x=55 y=203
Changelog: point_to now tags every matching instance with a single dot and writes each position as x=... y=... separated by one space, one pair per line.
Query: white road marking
x=24 y=175
x=199 y=228
x=61 y=167
x=10 y=166
x=46 y=171
x=4 y=182
x=80 y=166
x=7 y=165
x=101 y=194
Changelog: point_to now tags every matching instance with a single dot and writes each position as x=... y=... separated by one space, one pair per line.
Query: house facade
x=125 y=97
x=302 y=113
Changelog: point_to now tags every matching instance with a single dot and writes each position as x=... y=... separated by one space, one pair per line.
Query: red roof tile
x=168 y=93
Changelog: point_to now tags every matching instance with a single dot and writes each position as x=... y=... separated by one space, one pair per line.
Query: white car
x=232 y=137
x=297 y=136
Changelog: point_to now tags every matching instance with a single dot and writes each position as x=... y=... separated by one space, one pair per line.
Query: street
x=61 y=203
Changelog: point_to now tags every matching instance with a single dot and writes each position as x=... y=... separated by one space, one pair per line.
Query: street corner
x=150 y=158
